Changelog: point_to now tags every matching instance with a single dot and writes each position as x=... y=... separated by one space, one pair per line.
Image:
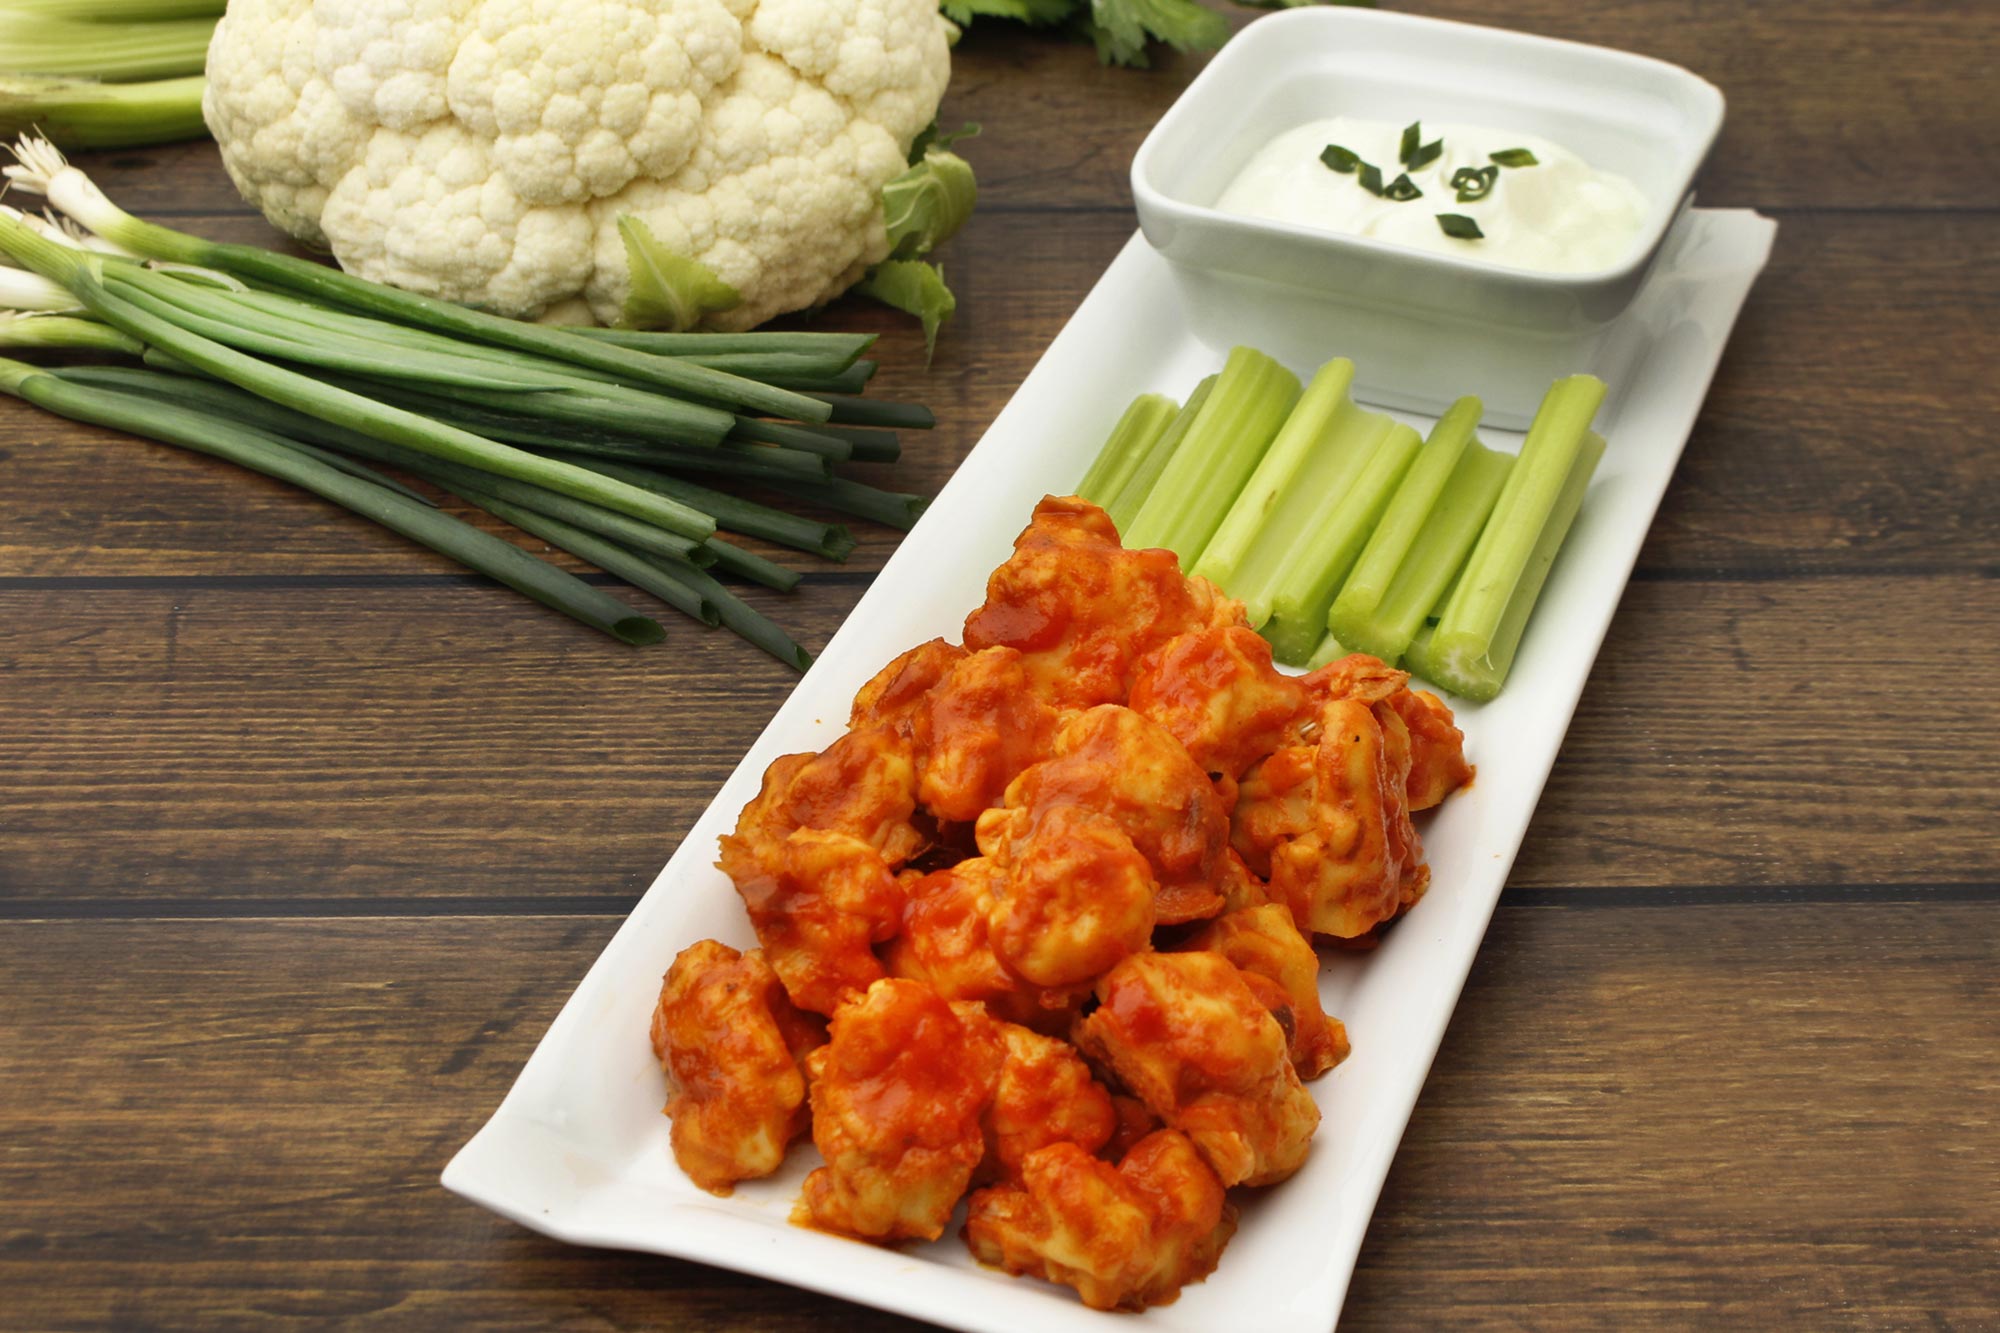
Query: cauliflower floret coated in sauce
x=482 y=151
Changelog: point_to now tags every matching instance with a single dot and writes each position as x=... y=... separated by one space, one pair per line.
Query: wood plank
x=442 y=742
x=1849 y=426
x=1859 y=104
x=1792 y=1122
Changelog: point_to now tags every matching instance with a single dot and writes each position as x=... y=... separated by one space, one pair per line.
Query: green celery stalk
x=1402 y=522
x=1469 y=627
x=1325 y=397
x=1417 y=657
x=1132 y=493
x=1321 y=562
x=1423 y=580
x=1143 y=423
x=1250 y=401
x=1327 y=473
x=1329 y=651
x=1450 y=661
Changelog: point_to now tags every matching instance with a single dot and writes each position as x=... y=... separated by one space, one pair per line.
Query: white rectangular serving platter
x=578 y=1150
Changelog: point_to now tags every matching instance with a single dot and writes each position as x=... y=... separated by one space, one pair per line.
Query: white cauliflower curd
x=484 y=151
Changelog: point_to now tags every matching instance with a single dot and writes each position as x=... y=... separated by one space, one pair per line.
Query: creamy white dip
x=1559 y=216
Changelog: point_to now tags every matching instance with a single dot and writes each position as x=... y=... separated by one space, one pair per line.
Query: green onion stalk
x=83 y=274
x=261 y=451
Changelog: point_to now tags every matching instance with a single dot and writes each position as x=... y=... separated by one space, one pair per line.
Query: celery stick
x=1470 y=622
x=1483 y=621
x=1382 y=620
x=1408 y=510
x=1143 y=423
x=1132 y=494
x=1251 y=399
x=1321 y=562
x=1417 y=657
x=1328 y=472
x=1481 y=678
x=1326 y=396
x=1329 y=650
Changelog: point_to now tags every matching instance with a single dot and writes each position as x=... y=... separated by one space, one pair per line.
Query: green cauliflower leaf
x=915 y=288
x=668 y=290
x=926 y=205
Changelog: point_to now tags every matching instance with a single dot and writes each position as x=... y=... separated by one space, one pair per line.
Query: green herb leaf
x=1122 y=28
x=926 y=205
x=667 y=290
x=915 y=288
x=1474 y=183
x=1371 y=179
x=1514 y=157
x=1459 y=227
x=1402 y=189
x=1426 y=155
x=1413 y=138
x=1342 y=160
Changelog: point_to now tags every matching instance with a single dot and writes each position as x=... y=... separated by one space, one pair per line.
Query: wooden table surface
x=305 y=837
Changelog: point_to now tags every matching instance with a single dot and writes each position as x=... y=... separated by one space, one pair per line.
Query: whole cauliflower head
x=483 y=151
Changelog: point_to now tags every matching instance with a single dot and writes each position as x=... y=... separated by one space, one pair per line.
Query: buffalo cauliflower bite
x=1112 y=762
x=1437 y=746
x=732 y=1044
x=1125 y=1236
x=864 y=785
x=819 y=915
x=1215 y=691
x=1076 y=897
x=945 y=942
x=896 y=696
x=981 y=726
x=898 y=1098
x=1082 y=609
x=1186 y=1035
x=483 y=151
x=1044 y=1095
x=1265 y=945
x=1328 y=824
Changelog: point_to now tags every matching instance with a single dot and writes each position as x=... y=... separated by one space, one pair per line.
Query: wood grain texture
x=204 y=745
x=226 y=1124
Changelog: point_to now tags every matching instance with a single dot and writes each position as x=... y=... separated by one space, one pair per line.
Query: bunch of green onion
x=1341 y=530
x=104 y=73
x=624 y=449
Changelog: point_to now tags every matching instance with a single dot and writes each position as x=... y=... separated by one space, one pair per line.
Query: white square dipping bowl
x=1423 y=328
